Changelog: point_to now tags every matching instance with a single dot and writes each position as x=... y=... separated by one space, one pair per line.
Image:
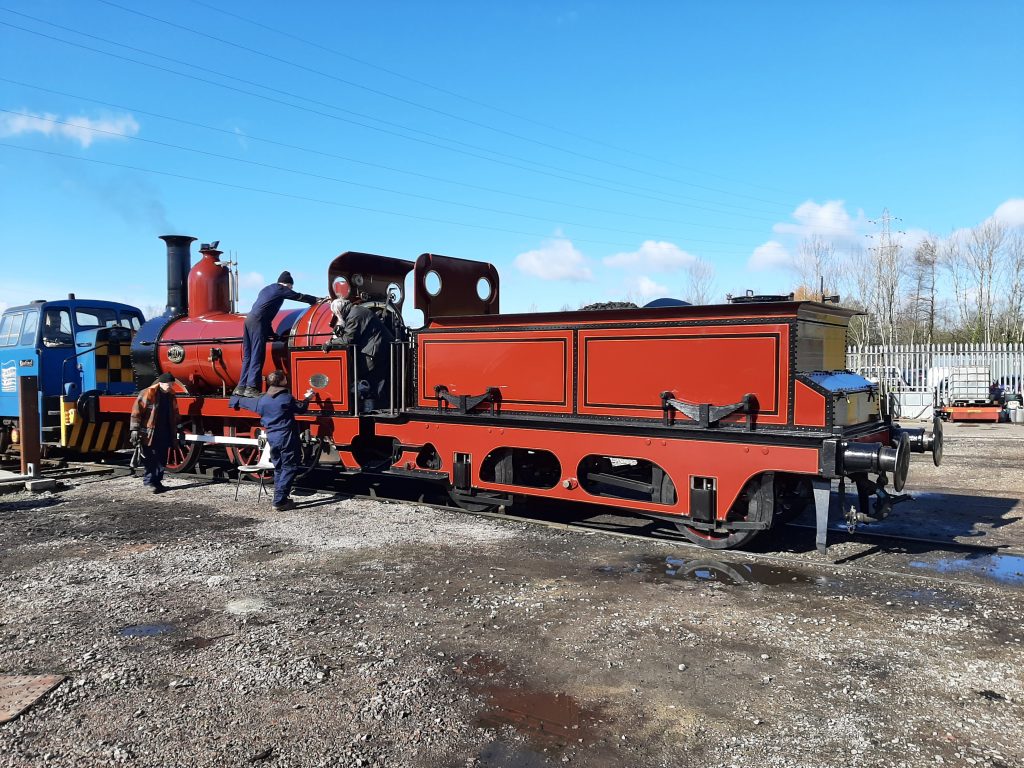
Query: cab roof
x=72 y=304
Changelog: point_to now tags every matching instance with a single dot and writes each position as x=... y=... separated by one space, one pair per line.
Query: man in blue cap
x=277 y=409
x=259 y=327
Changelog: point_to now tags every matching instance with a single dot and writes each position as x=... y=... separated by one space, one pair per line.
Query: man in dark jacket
x=277 y=410
x=259 y=326
x=360 y=327
x=154 y=426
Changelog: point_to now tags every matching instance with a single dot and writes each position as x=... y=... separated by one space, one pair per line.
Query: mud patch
x=547 y=720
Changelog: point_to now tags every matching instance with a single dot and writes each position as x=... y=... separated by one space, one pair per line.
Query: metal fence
x=914 y=376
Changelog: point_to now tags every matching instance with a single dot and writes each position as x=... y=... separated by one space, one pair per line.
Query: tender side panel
x=624 y=371
x=731 y=464
x=533 y=370
x=808 y=406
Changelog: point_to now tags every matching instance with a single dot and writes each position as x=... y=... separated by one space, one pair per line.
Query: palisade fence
x=913 y=376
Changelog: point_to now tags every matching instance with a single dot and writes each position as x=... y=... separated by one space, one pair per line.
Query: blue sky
x=591 y=151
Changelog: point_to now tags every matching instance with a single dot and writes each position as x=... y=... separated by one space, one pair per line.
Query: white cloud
x=84 y=130
x=643 y=288
x=556 y=259
x=830 y=221
x=770 y=255
x=1011 y=213
x=655 y=255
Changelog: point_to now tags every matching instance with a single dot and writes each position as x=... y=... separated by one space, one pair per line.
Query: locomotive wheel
x=184 y=459
x=758 y=498
x=243 y=455
x=792 y=495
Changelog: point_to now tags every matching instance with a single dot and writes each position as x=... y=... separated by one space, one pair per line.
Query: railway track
x=623 y=525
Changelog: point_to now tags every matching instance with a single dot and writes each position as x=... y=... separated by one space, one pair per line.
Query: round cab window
x=341 y=287
x=483 y=289
x=395 y=293
x=432 y=282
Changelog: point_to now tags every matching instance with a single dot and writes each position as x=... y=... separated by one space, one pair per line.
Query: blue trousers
x=254 y=353
x=286 y=455
x=154 y=459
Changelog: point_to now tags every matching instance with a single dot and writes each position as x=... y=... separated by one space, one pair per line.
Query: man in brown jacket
x=154 y=427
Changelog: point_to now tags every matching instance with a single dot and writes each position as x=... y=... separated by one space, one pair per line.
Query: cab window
x=10 y=328
x=131 y=320
x=57 y=328
x=95 y=317
x=28 y=333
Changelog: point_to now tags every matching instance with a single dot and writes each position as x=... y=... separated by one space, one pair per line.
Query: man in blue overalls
x=277 y=410
x=259 y=326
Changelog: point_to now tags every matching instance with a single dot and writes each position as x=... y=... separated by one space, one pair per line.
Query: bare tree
x=700 y=281
x=973 y=261
x=856 y=290
x=1013 y=272
x=922 y=300
x=982 y=249
x=815 y=265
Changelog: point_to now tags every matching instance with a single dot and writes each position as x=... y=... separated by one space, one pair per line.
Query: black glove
x=133 y=438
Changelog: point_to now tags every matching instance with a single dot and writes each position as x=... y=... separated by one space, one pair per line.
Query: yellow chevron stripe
x=101 y=438
x=115 y=438
x=87 y=440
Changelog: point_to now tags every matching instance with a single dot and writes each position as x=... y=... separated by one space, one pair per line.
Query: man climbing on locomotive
x=359 y=326
x=259 y=328
x=277 y=410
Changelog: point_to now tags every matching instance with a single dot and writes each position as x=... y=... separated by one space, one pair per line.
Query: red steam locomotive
x=724 y=419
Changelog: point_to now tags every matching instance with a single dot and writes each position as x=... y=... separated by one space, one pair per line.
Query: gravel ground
x=195 y=631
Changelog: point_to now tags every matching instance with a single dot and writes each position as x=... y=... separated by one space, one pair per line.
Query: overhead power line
x=335 y=179
x=477 y=102
x=435 y=110
x=349 y=159
x=305 y=198
x=557 y=172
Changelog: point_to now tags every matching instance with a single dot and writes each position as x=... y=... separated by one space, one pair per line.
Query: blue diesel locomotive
x=73 y=347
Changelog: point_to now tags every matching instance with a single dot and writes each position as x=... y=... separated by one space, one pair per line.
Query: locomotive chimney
x=179 y=262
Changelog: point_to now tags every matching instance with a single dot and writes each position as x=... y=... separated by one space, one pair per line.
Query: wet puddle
x=1005 y=569
x=547 y=719
x=700 y=569
x=714 y=571
x=147 y=630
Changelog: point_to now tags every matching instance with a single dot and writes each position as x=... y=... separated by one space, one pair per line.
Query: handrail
x=224 y=340
x=64 y=364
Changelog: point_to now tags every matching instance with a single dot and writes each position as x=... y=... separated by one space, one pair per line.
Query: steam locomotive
x=723 y=419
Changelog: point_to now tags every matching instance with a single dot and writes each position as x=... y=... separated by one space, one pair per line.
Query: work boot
x=284 y=506
x=251 y=392
x=239 y=391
